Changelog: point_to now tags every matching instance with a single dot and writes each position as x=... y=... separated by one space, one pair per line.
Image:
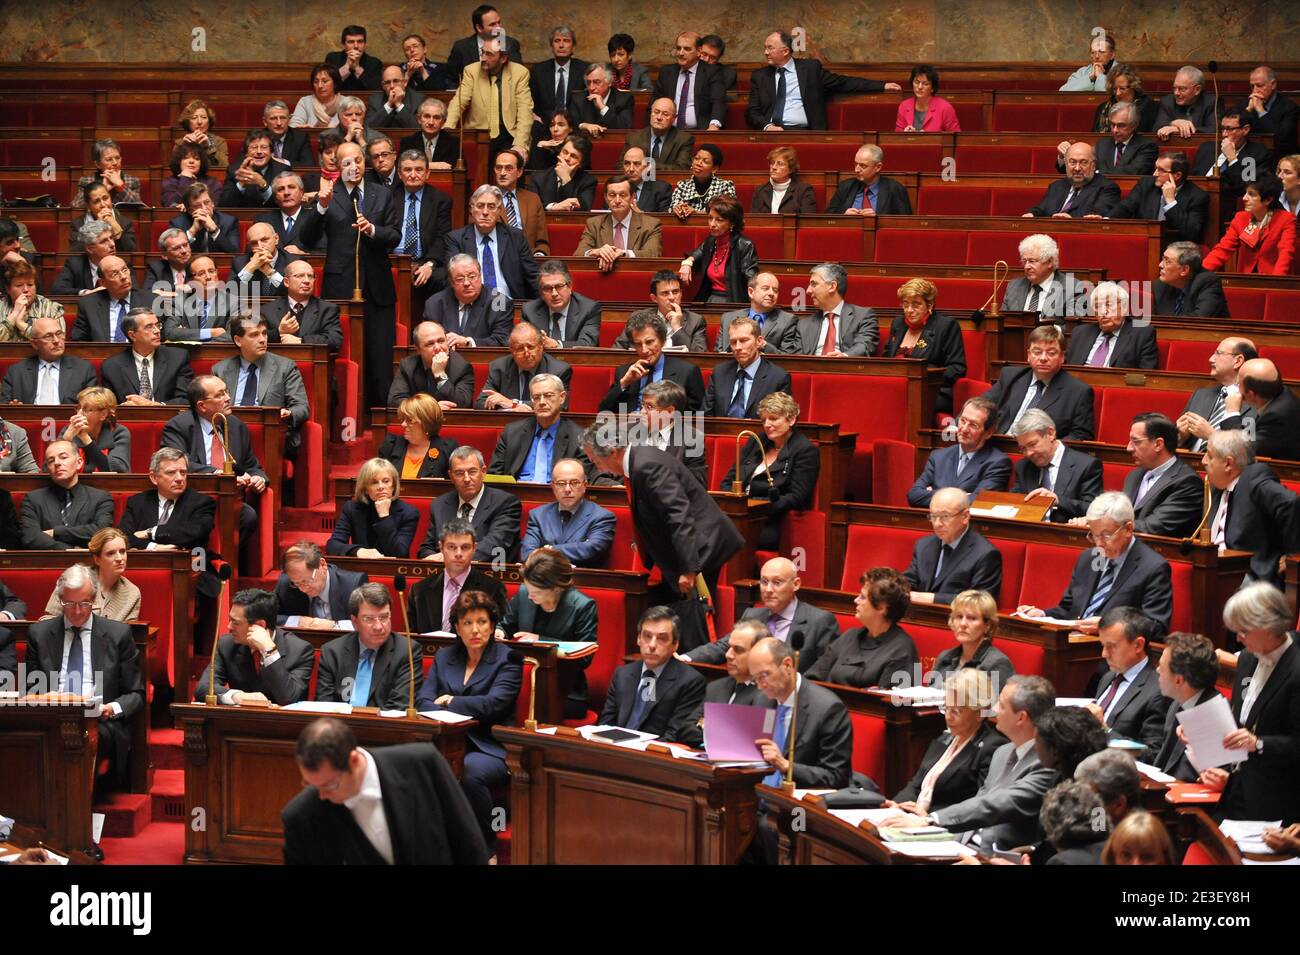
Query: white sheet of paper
x=1205 y=726
x=997 y=510
x=1054 y=621
x=547 y=730
x=1154 y=774
x=445 y=716
x=1248 y=834
x=1074 y=700
x=855 y=817
x=315 y=706
x=96 y=826
x=916 y=695
x=932 y=850
x=392 y=714
x=804 y=793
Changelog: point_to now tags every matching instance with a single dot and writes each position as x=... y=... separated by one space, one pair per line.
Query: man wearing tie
x=1115 y=341
x=289 y=218
x=837 y=329
x=493 y=95
x=300 y=318
x=1185 y=287
x=778 y=327
x=648 y=195
x=664 y=144
x=580 y=529
x=509 y=377
x=1050 y=473
x=737 y=385
x=521 y=208
x=1043 y=288
x=438 y=148
x=432 y=597
x=51 y=377
x=695 y=87
x=956 y=557
x=260 y=379
x=1186 y=673
x=971 y=463
x=471 y=313
x=649 y=333
x=527 y=449
x=202 y=311
x=100 y=314
x=622 y=233
x=657 y=694
x=1129 y=702
x=256 y=661
x=566 y=318
x=1236 y=162
x=738 y=686
x=867 y=192
x=426 y=219
x=1167 y=495
x=791 y=94
x=1044 y=385
x=1209 y=407
x=312 y=589
x=1181 y=207
x=494 y=514
x=67 y=513
x=373 y=665
x=505 y=260
x=172 y=271
x=1083 y=191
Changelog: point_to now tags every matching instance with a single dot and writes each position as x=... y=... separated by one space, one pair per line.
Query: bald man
x=261 y=269
x=784 y=614
x=955 y=557
x=100 y=313
x=1277 y=410
x=1084 y=193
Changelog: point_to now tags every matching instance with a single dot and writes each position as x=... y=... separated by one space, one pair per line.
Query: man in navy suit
x=1115 y=341
x=1167 y=495
x=580 y=529
x=971 y=464
x=502 y=252
x=1277 y=410
x=1185 y=286
x=357 y=68
x=207 y=229
x=1181 y=207
x=471 y=313
x=772 y=88
x=1083 y=191
x=356 y=215
x=1123 y=152
x=508 y=378
x=657 y=694
x=494 y=514
x=1129 y=702
x=867 y=192
x=695 y=87
x=100 y=314
x=955 y=557
x=551 y=81
x=1043 y=385
x=372 y=665
x=1250 y=510
x=248 y=179
x=1051 y=473
x=312 y=590
x=565 y=318
x=173 y=269
x=649 y=334
x=425 y=216
x=1119 y=571
x=288 y=220
x=256 y=661
x=740 y=383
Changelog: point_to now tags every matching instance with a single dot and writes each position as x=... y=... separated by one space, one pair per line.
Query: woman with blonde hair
x=921 y=332
x=94 y=430
x=973 y=620
x=375 y=523
x=116 y=598
x=1138 y=839
x=197 y=119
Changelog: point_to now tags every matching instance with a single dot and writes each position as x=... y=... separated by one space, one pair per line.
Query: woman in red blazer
x=1261 y=239
x=937 y=114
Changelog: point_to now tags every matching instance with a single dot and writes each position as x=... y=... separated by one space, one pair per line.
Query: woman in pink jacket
x=926 y=112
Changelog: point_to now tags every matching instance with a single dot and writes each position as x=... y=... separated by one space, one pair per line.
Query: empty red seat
x=872 y=546
x=893 y=471
x=1116 y=408
x=1053 y=564
x=827 y=244
x=924 y=246
x=953 y=200
x=868 y=746
x=589 y=384
x=1188 y=356
x=1025 y=657
x=1280 y=305
x=1286 y=359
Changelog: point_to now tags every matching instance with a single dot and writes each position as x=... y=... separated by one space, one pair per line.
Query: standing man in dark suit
x=779 y=327
x=373 y=665
x=528 y=448
x=649 y=335
x=300 y=318
x=1044 y=385
x=1209 y=407
x=600 y=107
x=426 y=819
x=792 y=94
x=425 y=216
x=432 y=597
x=971 y=464
x=207 y=229
x=1181 y=207
x=1185 y=287
x=782 y=615
x=694 y=86
x=256 y=662
x=439 y=148
x=358 y=69
x=487 y=24
x=1124 y=152
x=565 y=318
x=1237 y=164
x=1051 y=473
x=657 y=694
x=1250 y=510
x=67 y=513
x=1268 y=111
x=1276 y=433
x=288 y=220
x=1083 y=191
x=738 y=384
x=394 y=106
x=1186 y=672
x=85 y=655
x=312 y=589
x=1043 y=288
x=868 y=193
x=100 y=314
x=471 y=313
x=1167 y=495
x=668 y=428
x=288 y=144
x=663 y=143
x=738 y=686
x=360 y=219
x=435 y=370
x=551 y=81
x=509 y=377
x=837 y=329
x=1115 y=341
x=504 y=257
x=51 y=377
x=955 y=557
x=1129 y=702
x=679 y=527
x=685 y=329
x=494 y=514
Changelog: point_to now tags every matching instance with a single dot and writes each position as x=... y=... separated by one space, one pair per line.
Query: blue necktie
x=120 y=308
x=489 y=270
x=412 y=246
x=779 y=738
x=361 y=685
x=737 y=407
x=541 y=471
x=645 y=692
x=250 y=388
x=1104 y=587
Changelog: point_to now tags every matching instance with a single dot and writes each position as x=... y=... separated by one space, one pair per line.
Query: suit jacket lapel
x=1275 y=679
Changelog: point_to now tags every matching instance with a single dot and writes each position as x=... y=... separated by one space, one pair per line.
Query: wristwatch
x=1259 y=746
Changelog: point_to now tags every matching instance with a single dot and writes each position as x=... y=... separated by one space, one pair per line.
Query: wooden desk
x=25 y=837
x=47 y=770
x=1028 y=512
x=240 y=770
x=575 y=802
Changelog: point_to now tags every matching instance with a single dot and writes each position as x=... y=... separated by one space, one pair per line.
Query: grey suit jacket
x=184 y=315
x=823 y=739
x=1005 y=810
x=19 y=460
x=819 y=629
x=858 y=332
x=21 y=380
x=1172 y=505
x=91 y=510
x=1065 y=298
x=780 y=331
x=279 y=385
x=581 y=322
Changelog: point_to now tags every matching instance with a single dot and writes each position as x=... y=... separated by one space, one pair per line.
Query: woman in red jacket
x=1261 y=239
x=925 y=111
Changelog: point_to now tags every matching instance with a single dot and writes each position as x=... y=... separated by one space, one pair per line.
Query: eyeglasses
x=565 y=485
x=371 y=619
x=77 y=604
x=466 y=472
x=940 y=517
x=330 y=787
x=1105 y=538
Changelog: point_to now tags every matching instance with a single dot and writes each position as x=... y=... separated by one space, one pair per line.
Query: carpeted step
x=168 y=794
x=125 y=814
x=158 y=843
x=167 y=748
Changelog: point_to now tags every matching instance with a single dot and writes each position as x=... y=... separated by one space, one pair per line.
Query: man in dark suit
x=100 y=314
x=432 y=597
x=358 y=69
x=600 y=107
x=381 y=163
x=551 y=81
x=565 y=318
x=12 y=607
x=207 y=229
x=203 y=309
x=1167 y=495
x=1043 y=288
x=312 y=589
x=256 y=662
x=67 y=513
x=712 y=49
x=300 y=318
x=955 y=557
x=738 y=384
x=679 y=528
x=487 y=24
x=434 y=370
x=868 y=193
x=1187 y=671
x=288 y=143
x=1185 y=287
x=685 y=329
x=1181 y=207
x=291 y=215
x=87 y=655
x=1238 y=162
x=426 y=818
x=1044 y=385
x=509 y=377
x=1209 y=407
x=837 y=329
x=502 y=252
x=1124 y=152
x=394 y=106
x=425 y=215
x=774 y=89
x=694 y=86
x=649 y=334
x=50 y=377
x=971 y=464
x=471 y=313
x=248 y=180
x=375 y=232
x=494 y=514
x=662 y=408
x=1083 y=191
x=1050 y=473
x=1250 y=510
x=1129 y=702
x=373 y=665
x=81 y=272
x=1269 y=112
x=172 y=271
x=663 y=143
x=779 y=327
x=260 y=270
x=528 y=448
x=657 y=694
x=782 y=615
x=1120 y=571
x=738 y=686
x=1276 y=433
x=580 y=529
x=439 y=148
x=1115 y=341
x=1188 y=110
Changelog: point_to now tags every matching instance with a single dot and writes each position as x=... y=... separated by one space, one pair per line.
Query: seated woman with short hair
x=116 y=598
x=880 y=652
x=419 y=451
x=375 y=523
x=973 y=620
x=95 y=432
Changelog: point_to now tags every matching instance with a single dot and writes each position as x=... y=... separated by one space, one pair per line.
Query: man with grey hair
x=779 y=327
x=291 y=215
x=494 y=514
x=50 y=376
x=394 y=105
x=1043 y=288
x=566 y=319
x=502 y=252
x=1269 y=112
x=1117 y=571
x=509 y=377
x=493 y=95
x=80 y=273
x=867 y=192
x=1124 y=152
x=600 y=107
x=471 y=313
x=1115 y=777
x=1083 y=193
x=382 y=157
x=1092 y=77
x=1187 y=110
x=663 y=408
x=66 y=513
x=551 y=81
x=1115 y=341
x=288 y=143
x=439 y=148
x=836 y=329
x=527 y=449
x=371 y=666
x=791 y=94
x=1051 y=473
x=1250 y=510
x=172 y=271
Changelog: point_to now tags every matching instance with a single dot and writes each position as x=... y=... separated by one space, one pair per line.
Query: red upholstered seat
x=870 y=546
x=893 y=471
x=953 y=200
x=564 y=236
x=859 y=114
x=1250 y=303
x=769 y=241
x=973 y=160
x=902 y=157
x=803 y=540
x=1280 y=305
x=873 y=407
x=975 y=342
x=921 y=246
x=824 y=243
x=1013 y=572
x=1180 y=573
x=28 y=185
x=1188 y=356
x=1052 y=565
x=1287 y=359
x=589 y=384
x=1114 y=473
x=1117 y=407
x=1025 y=657
x=1012 y=201
x=868 y=746
x=1123 y=256
x=966 y=388
x=620 y=285
x=930 y=642
x=525 y=691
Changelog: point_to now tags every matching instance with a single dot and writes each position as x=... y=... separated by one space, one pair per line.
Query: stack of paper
x=312 y=706
x=1205 y=726
x=1248 y=834
x=444 y=716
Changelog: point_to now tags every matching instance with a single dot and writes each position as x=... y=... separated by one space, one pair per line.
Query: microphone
x=224 y=571
x=1212 y=67
x=991 y=303
x=1185 y=545
x=221 y=568
x=796 y=644
x=530 y=724
x=399 y=584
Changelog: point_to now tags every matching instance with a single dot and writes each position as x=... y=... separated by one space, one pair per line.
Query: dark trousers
x=381 y=336
x=690 y=610
x=481 y=774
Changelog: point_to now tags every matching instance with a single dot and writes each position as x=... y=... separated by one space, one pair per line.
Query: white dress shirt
x=367 y=808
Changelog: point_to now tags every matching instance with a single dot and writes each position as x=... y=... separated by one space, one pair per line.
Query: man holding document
x=737 y=687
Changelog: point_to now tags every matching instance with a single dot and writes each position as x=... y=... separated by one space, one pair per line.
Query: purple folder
x=731 y=728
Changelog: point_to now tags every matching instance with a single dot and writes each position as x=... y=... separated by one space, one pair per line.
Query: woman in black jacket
x=419 y=451
x=783 y=189
x=568 y=186
x=727 y=258
x=784 y=471
x=376 y=522
x=1124 y=85
x=922 y=333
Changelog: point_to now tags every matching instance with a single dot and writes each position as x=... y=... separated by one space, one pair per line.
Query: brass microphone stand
x=991 y=305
